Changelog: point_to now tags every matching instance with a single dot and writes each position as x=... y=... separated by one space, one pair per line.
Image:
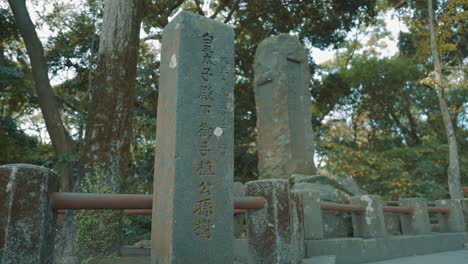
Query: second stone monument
x=284 y=130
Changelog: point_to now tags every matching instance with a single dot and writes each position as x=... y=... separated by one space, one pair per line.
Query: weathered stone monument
x=192 y=201
x=285 y=137
x=27 y=220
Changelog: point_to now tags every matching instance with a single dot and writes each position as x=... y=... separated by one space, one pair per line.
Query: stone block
x=297 y=217
x=239 y=219
x=27 y=220
x=193 y=199
x=370 y=223
x=313 y=225
x=269 y=231
x=285 y=138
x=418 y=222
x=453 y=221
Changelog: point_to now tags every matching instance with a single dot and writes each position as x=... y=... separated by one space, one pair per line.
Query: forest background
x=376 y=117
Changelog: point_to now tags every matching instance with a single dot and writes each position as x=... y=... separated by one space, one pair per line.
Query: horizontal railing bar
x=341 y=207
x=397 y=210
x=149 y=211
x=99 y=201
x=438 y=210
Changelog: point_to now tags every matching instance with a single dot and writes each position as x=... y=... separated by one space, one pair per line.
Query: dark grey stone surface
x=27 y=220
x=369 y=224
x=454 y=220
x=313 y=224
x=357 y=250
x=193 y=202
x=416 y=223
x=297 y=217
x=239 y=219
x=269 y=230
x=285 y=136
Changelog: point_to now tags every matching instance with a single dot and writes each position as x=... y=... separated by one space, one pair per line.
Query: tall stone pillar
x=192 y=195
x=285 y=138
x=27 y=220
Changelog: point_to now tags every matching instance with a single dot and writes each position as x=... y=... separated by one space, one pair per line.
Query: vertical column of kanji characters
x=204 y=168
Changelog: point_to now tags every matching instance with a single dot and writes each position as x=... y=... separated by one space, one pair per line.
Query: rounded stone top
x=281 y=45
x=30 y=168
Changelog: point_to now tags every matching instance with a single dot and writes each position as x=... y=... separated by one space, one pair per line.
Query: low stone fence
x=296 y=220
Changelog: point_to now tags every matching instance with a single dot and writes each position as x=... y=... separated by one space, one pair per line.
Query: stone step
x=328 y=259
x=120 y=260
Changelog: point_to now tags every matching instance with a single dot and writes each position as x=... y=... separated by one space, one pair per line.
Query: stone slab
x=27 y=229
x=370 y=223
x=357 y=250
x=269 y=230
x=285 y=138
x=418 y=222
x=193 y=201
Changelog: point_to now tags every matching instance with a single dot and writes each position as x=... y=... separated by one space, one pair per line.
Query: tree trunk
x=109 y=126
x=61 y=140
x=455 y=189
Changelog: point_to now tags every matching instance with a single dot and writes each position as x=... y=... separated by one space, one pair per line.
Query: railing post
x=454 y=220
x=297 y=217
x=269 y=229
x=27 y=220
x=370 y=223
x=416 y=223
x=313 y=222
x=239 y=190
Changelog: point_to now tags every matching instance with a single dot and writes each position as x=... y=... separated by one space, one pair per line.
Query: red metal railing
x=94 y=201
x=398 y=210
x=438 y=210
x=465 y=190
x=341 y=207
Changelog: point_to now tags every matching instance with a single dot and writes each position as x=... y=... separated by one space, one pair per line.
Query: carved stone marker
x=269 y=230
x=27 y=220
x=285 y=137
x=192 y=201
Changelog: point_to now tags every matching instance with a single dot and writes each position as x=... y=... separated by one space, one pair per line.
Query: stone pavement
x=450 y=257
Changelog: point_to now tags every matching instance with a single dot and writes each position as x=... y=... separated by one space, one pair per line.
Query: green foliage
x=96 y=231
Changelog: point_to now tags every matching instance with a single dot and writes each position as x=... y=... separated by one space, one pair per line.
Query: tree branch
x=199 y=9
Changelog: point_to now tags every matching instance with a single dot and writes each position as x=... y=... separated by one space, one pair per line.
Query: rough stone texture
x=343 y=183
x=297 y=214
x=285 y=137
x=27 y=220
x=313 y=225
x=392 y=224
x=330 y=259
x=193 y=202
x=335 y=224
x=454 y=220
x=269 y=229
x=239 y=219
x=464 y=203
x=357 y=250
x=369 y=224
x=416 y=223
